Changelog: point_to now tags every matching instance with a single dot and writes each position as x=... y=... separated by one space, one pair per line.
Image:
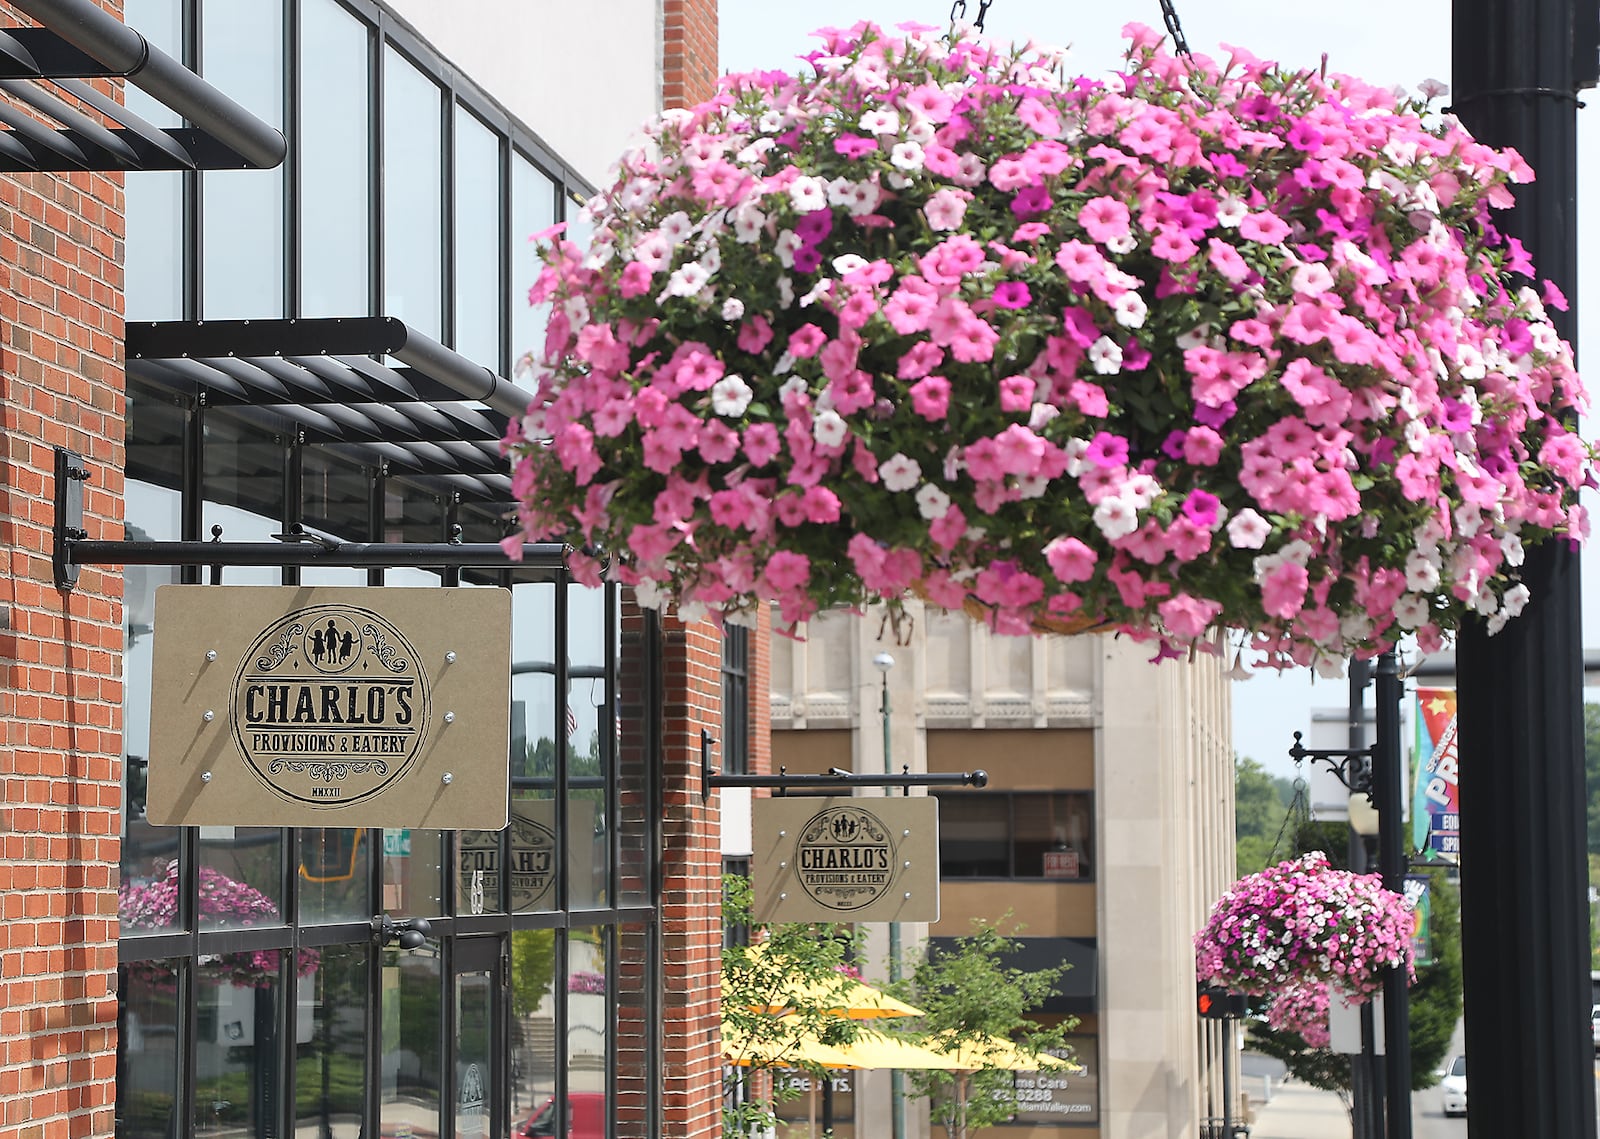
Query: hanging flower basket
x=1302 y=1009
x=1202 y=346
x=1302 y=922
x=222 y=901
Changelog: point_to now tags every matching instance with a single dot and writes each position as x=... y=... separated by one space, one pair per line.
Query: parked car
x=1454 y=1087
x=586 y=1118
x=1594 y=1021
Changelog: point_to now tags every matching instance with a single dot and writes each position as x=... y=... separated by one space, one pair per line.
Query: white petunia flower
x=899 y=473
x=730 y=396
x=829 y=429
x=1106 y=356
x=932 y=503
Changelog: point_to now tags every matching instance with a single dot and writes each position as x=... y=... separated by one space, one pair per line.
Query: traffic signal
x=1213 y=1002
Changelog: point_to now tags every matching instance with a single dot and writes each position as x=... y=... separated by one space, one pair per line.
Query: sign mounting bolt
x=447 y=778
x=449 y=717
x=209 y=716
x=211 y=654
x=450 y=658
x=205 y=777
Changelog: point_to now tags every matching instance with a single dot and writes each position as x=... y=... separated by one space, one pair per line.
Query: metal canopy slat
x=384 y=377
x=77 y=125
x=42 y=141
x=251 y=379
x=251 y=373
x=153 y=137
x=97 y=33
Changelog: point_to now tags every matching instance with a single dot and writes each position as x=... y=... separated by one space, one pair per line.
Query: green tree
x=773 y=971
x=970 y=994
x=1260 y=806
x=1591 y=756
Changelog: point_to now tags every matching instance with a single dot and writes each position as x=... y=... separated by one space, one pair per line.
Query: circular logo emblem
x=845 y=858
x=330 y=705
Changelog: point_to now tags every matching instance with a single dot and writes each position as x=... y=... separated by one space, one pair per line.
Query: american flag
x=572 y=722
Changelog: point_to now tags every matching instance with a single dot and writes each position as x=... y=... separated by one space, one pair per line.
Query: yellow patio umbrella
x=839 y=995
x=998 y=1052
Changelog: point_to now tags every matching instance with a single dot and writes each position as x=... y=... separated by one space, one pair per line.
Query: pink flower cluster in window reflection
x=221 y=901
x=1211 y=344
x=585 y=982
x=1303 y=922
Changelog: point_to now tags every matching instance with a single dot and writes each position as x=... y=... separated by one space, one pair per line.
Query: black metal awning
x=42 y=75
x=368 y=384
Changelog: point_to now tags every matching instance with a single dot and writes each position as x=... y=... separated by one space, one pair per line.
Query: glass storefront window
x=147 y=1050
x=413 y=872
x=237 y=1078
x=242 y=54
x=335 y=873
x=411 y=1052
x=588 y=747
x=413 y=196
x=536 y=851
x=588 y=1024
x=335 y=161
x=241 y=877
x=533 y=1025
x=477 y=240
x=1018 y=834
x=331 y=1045
x=533 y=208
x=154 y=201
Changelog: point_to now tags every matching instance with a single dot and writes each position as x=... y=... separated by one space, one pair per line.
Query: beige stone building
x=1106 y=830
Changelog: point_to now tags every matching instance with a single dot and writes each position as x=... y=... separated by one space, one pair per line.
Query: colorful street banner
x=1421 y=901
x=1436 y=804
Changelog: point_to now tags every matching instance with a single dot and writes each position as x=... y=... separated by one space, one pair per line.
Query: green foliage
x=533 y=964
x=773 y=974
x=970 y=994
x=1260 y=806
x=1591 y=758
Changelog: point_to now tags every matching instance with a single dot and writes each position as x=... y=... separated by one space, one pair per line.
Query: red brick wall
x=61 y=384
x=691 y=901
x=688 y=52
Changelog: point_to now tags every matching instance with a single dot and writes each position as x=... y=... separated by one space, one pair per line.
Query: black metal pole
x=1365 y=1106
x=1392 y=860
x=1524 y=918
x=1228 y=1052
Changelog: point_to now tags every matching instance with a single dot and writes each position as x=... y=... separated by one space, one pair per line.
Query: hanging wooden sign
x=837 y=859
x=330 y=707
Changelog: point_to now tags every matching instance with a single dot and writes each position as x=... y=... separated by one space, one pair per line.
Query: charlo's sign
x=845 y=859
x=372 y=707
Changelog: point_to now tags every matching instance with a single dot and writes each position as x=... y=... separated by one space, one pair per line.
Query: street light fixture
x=883 y=662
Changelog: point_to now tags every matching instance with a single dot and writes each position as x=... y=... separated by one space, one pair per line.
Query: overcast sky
x=1360 y=37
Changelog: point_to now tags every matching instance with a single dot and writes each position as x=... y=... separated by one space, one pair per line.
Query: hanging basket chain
x=1299 y=811
x=1174 y=28
x=958 y=12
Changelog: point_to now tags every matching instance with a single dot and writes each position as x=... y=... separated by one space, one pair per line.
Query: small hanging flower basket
x=1302 y=922
x=1204 y=345
x=1302 y=1009
x=222 y=901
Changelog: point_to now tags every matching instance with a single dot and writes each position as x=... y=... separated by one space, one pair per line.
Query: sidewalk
x=1299 y=1112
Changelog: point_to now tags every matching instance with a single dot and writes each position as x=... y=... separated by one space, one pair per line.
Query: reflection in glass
x=335 y=884
x=411 y=1049
x=413 y=198
x=236 y=1052
x=534 y=845
x=241 y=877
x=149 y=853
x=413 y=872
x=243 y=209
x=243 y=487
x=588 y=747
x=335 y=217
x=474 y=1065
x=587 y=1022
x=634 y=1033
x=477 y=209
x=147 y=1051
x=533 y=208
x=331 y=1046
x=635 y=786
x=533 y=1025
x=478 y=868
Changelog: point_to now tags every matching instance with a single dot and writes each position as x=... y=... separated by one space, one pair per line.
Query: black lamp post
x=1517 y=67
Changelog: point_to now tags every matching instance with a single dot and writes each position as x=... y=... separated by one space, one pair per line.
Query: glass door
x=477 y=1059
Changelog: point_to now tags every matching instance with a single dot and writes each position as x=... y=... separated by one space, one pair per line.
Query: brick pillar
x=688 y=51
x=691 y=896
x=61 y=384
